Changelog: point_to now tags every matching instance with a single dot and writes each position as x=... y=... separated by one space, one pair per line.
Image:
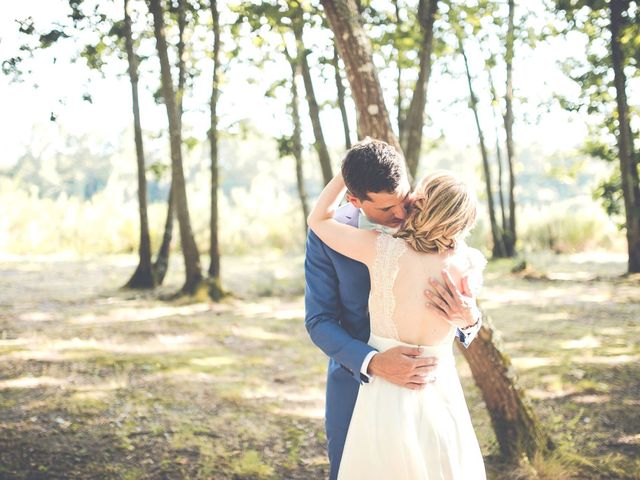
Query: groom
x=337 y=293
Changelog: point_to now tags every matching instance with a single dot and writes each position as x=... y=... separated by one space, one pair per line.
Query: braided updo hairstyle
x=443 y=212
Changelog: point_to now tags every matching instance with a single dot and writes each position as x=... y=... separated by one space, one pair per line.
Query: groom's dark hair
x=372 y=166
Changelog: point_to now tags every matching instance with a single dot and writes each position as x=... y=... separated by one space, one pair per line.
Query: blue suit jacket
x=337 y=319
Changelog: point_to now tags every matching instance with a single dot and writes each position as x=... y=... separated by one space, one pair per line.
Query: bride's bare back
x=399 y=277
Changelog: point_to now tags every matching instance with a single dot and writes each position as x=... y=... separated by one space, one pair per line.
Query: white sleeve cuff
x=365 y=364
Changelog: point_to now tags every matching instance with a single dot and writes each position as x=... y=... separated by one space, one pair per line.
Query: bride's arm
x=352 y=242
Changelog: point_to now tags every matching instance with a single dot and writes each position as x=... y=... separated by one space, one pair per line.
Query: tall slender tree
x=413 y=123
x=190 y=253
x=496 y=233
x=605 y=71
x=143 y=277
x=161 y=263
x=320 y=145
x=495 y=103
x=215 y=285
x=628 y=162
x=335 y=61
x=293 y=145
x=510 y=236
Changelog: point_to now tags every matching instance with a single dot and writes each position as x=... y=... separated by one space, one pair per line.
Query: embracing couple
x=389 y=284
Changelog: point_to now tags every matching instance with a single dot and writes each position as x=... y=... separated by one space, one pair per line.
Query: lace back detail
x=385 y=269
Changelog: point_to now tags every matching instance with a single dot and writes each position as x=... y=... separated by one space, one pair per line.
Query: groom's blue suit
x=337 y=319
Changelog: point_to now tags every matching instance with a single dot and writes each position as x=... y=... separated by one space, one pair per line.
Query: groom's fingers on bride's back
x=410 y=351
x=425 y=365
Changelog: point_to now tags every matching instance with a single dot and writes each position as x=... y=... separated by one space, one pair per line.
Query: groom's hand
x=455 y=306
x=404 y=366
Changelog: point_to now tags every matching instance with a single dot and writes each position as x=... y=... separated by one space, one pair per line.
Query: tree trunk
x=143 y=277
x=628 y=165
x=215 y=284
x=189 y=248
x=510 y=236
x=297 y=142
x=516 y=425
x=182 y=74
x=498 y=245
x=399 y=89
x=414 y=122
x=162 y=260
x=355 y=50
x=494 y=95
x=514 y=416
x=161 y=264
x=314 y=110
x=341 y=100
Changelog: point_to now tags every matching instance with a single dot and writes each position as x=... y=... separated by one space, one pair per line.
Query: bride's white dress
x=401 y=434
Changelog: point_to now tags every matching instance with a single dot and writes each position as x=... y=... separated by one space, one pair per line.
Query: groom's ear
x=355 y=201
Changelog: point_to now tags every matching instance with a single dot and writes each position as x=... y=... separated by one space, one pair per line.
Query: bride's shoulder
x=468 y=258
x=477 y=261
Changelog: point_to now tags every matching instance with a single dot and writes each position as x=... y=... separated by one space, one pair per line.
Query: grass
x=101 y=383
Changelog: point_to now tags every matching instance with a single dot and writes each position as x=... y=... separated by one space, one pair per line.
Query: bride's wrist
x=477 y=316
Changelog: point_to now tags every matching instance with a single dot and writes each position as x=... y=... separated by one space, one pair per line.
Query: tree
x=335 y=62
x=628 y=164
x=496 y=233
x=143 y=276
x=215 y=287
x=413 y=123
x=613 y=33
x=517 y=427
x=354 y=48
x=297 y=16
x=518 y=431
x=189 y=248
x=161 y=264
x=293 y=145
x=495 y=103
x=509 y=236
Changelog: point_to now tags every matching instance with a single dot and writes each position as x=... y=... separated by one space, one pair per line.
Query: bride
x=397 y=433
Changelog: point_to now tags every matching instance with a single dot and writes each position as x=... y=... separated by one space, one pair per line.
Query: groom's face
x=385 y=208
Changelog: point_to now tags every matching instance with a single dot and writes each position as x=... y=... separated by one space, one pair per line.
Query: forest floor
x=97 y=382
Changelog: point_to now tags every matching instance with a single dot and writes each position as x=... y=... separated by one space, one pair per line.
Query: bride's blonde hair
x=443 y=212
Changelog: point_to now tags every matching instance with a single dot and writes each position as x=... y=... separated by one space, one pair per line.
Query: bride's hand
x=455 y=306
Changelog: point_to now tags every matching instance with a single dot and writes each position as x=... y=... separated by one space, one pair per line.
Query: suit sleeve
x=323 y=311
x=466 y=339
